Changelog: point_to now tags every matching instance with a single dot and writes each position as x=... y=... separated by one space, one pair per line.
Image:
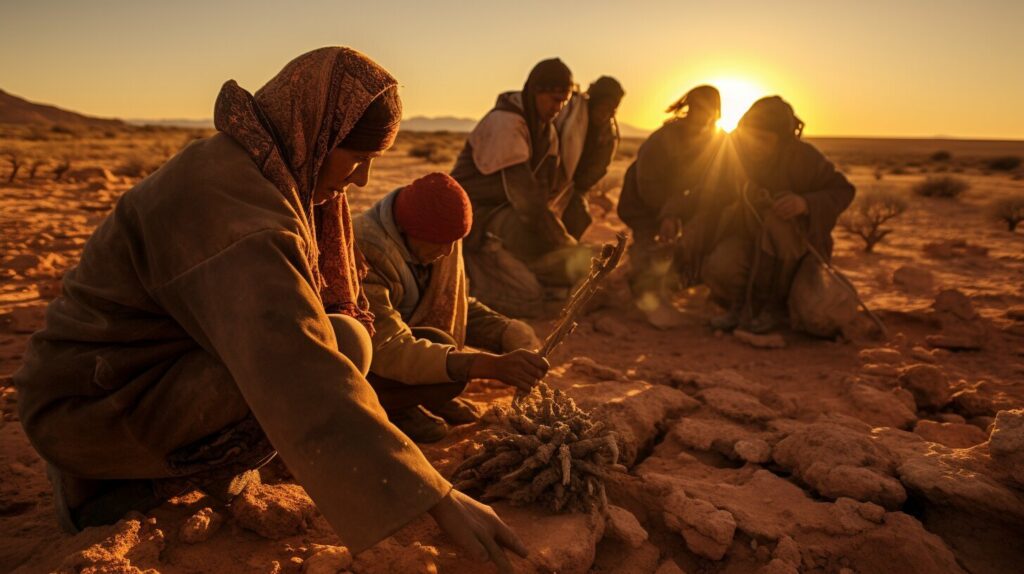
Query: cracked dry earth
x=860 y=456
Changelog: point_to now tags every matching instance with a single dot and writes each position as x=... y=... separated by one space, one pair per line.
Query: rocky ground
x=864 y=455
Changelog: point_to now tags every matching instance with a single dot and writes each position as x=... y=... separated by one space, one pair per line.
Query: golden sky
x=870 y=68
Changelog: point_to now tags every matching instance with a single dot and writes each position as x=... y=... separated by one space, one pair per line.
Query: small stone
x=771 y=341
x=928 y=384
x=327 y=560
x=623 y=526
x=881 y=355
x=200 y=526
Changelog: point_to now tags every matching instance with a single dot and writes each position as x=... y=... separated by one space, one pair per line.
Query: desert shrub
x=869 y=213
x=17 y=160
x=137 y=165
x=63 y=129
x=879 y=174
x=62 y=167
x=945 y=186
x=431 y=151
x=898 y=170
x=1009 y=210
x=1004 y=163
x=941 y=155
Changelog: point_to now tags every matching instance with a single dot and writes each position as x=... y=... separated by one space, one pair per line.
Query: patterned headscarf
x=288 y=128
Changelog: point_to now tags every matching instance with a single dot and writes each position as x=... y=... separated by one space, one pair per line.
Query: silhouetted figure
x=667 y=201
x=513 y=169
x=790 y=198
x=589 y=135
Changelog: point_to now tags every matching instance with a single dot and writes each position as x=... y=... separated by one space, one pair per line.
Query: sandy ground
x=862 y=455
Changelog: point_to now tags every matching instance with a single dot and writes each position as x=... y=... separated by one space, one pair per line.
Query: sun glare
x=737 y=96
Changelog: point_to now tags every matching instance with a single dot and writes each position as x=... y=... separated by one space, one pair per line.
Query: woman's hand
x=789 y=206
x=521 y=369
x=477 y=529
x=669 y=230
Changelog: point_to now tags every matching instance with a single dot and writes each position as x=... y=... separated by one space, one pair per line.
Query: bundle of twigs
x=543 y=449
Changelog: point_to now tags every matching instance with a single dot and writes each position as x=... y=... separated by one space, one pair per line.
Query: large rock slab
x=837 y=461
x=1007 y=443
x=636 y=410
x=774 y=511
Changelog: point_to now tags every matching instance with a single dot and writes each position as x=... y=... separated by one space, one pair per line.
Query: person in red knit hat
x=427 y=327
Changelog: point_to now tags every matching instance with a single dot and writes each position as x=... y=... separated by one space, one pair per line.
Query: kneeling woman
x=217 y=317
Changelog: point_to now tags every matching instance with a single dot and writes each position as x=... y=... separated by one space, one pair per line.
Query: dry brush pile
x=543 y=449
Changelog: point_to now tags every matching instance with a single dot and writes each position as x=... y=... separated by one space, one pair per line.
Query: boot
x=420 y=425
x=81 y=503
x=457 y=411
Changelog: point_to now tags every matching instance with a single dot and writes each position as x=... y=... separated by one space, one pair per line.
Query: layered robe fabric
x=497 y=169
x=783 y=272
x=400 y=302
x=200 y=302
x=587 y=152
x=801 y=169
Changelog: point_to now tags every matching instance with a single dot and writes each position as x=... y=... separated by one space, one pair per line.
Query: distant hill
x=174 y=123
x=19 y=111
x=438 y=124
x=454 y=124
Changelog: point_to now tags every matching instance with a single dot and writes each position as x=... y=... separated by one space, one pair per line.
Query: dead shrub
x=869 y=212
x=432 y=152
x=137 y=166
x=1009 y=210
x=1004 y=163
x=943 y=186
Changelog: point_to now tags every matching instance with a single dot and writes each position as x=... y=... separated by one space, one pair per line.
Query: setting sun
x=737 y=96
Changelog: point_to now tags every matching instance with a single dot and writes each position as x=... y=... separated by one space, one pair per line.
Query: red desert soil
x=855 y=456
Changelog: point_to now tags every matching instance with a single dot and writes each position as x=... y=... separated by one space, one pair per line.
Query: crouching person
x=423 y=316
x=765 y=269
x=216 y=319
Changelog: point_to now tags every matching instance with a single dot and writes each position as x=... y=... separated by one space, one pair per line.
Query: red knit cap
x=434 y=208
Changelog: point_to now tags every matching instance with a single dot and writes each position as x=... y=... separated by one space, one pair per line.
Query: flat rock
x=953 y=435
x=839 y=462
x=983 y=399
x=273 y=511
x=928 y=384
x=881 y=408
